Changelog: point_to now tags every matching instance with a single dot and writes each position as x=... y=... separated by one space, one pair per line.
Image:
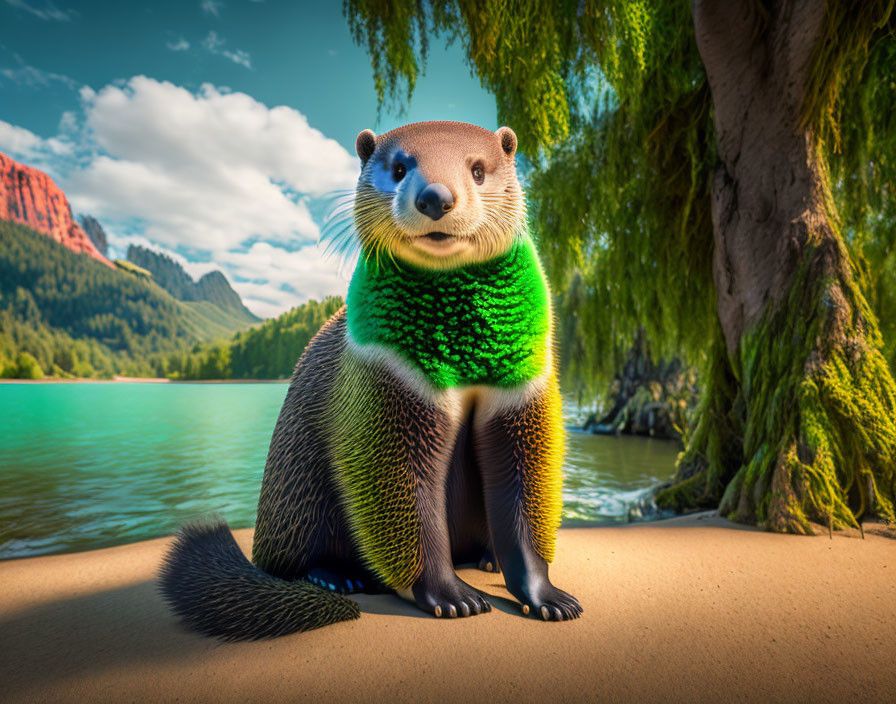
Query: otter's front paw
x=449 y=597
x=547 y=602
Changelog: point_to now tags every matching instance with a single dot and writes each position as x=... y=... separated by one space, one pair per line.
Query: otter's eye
x=398 y=171
x=478 y=173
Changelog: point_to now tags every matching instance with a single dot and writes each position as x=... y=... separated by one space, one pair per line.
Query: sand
x=692 y=609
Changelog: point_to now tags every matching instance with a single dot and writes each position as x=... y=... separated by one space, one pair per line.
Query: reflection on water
x=92 y=465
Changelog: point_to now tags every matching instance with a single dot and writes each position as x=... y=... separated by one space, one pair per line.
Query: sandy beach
x=691 y=609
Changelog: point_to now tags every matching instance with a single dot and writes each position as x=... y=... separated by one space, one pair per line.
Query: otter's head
x=438 y=194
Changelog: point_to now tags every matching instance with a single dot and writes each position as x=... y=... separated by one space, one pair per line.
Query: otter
x=422 y=426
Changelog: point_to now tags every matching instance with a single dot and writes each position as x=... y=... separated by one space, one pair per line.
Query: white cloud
x=270 y=278
x=180 y=45
x=215 y=45
x=48 y=12
x=212 y=174
x=68 y=123
x=211 y=7
x=23 y=144
x=206 y=171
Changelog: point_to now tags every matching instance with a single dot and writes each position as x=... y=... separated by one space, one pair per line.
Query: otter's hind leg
x=520 y=452
x=343 y=581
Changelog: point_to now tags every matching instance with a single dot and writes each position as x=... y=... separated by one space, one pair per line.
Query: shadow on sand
x=130 y=626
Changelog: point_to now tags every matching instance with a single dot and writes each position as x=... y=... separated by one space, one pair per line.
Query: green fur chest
x=480 y=324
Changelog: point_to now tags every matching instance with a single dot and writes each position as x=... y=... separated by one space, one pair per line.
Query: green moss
x=814 y=403
x=820 y=437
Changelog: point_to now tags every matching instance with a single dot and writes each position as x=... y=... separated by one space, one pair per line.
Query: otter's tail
x=215 y=590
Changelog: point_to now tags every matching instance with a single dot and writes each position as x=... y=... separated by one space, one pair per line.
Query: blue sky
x=210 y=130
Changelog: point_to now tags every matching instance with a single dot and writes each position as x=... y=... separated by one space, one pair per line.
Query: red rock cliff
x=30 y=197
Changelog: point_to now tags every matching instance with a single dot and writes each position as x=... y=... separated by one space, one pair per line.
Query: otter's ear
x=365 y=145
x=508 y=140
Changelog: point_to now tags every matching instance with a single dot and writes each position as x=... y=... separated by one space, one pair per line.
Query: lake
x=85 y=466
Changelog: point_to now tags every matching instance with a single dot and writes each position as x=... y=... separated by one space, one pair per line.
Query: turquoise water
x=84 y=466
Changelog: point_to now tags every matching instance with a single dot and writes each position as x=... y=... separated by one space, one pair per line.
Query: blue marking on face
x=383 y=175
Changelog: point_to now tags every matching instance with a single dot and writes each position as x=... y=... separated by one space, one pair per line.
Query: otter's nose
x=435 y=200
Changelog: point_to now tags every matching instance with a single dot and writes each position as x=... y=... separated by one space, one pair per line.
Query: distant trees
x=268 y=351
x=23 y=367
x=212 y=287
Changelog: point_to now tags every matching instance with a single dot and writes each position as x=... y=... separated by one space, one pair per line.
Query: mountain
x=211 y=287
x=77 y=316
x=96 y=233
x=30 y=197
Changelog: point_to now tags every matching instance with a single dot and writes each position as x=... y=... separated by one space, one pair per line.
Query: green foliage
x=24 y=367
x=856 y=123
x=77 y=317
x=58 y=353
x=852 y=50
x=268 y=351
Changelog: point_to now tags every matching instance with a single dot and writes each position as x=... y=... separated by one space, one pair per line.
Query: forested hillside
x=268 y=351
x=78 y=317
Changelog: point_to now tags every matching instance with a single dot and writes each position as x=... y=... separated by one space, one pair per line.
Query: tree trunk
x=807 y=392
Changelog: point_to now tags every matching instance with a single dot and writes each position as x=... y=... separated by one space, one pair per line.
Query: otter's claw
x=554 y=604
x=453 y=598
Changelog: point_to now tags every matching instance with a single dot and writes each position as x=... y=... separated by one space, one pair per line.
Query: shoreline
x=692 y=608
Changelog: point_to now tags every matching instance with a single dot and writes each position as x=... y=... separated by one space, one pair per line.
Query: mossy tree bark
x=805 y=375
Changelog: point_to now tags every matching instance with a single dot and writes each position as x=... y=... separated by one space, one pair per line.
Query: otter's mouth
x=437 y=236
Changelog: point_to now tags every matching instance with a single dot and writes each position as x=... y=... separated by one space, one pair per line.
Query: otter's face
x=439 y=194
